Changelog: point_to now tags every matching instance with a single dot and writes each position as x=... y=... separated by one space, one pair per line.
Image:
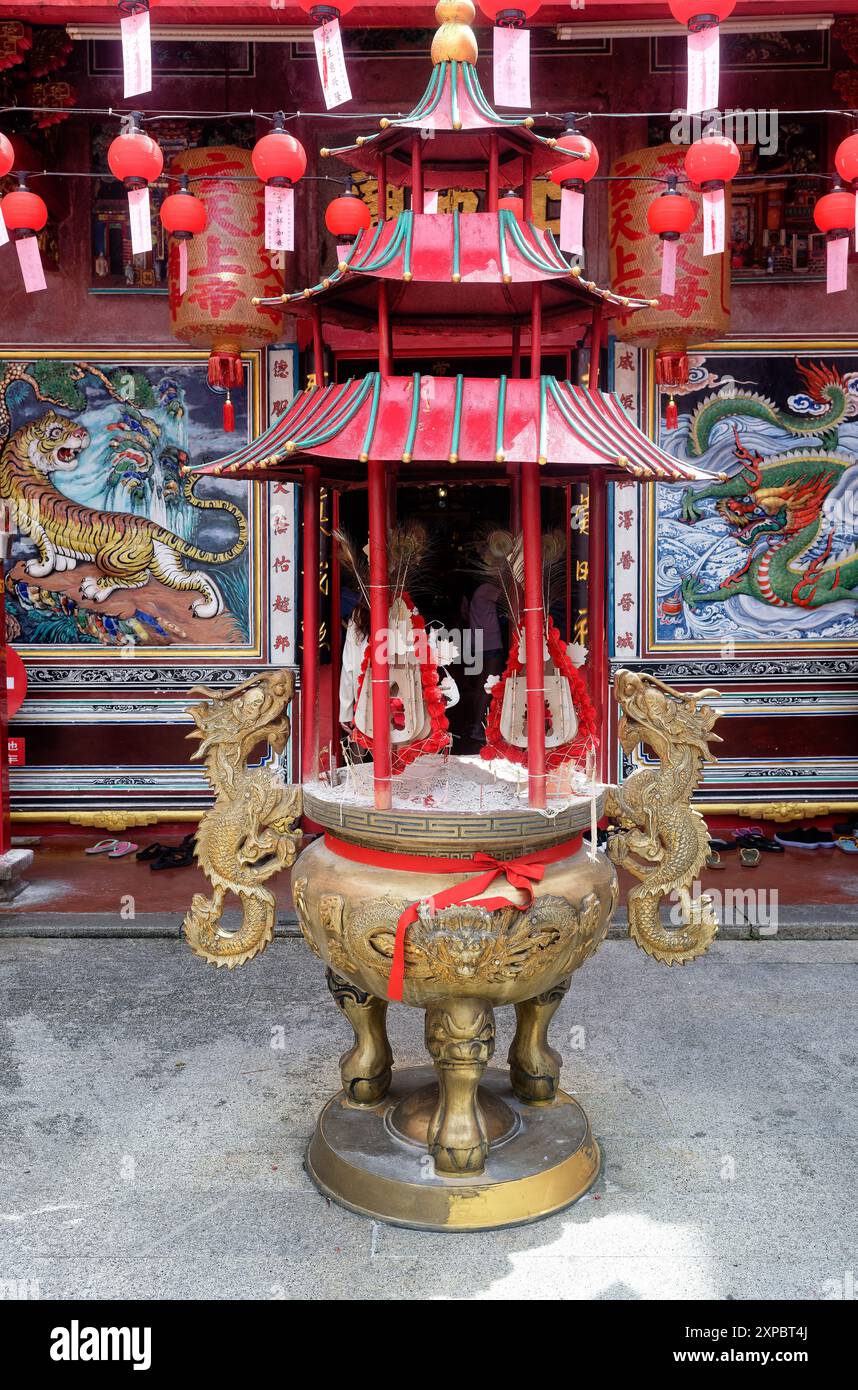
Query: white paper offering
x=136 y=53
x=31 y=263
x=279 y=218
x=713 y=221
x=572 y=221
x=332 y=63
x=703 y=70
x=183 y=267
x=140 y=219
x=836 y=260
x=430 y=200
x=343 y=250
x=512 y=67
x=4 y=231
x=668 y=267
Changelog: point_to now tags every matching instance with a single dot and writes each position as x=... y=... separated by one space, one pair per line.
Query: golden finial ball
x=455 y=12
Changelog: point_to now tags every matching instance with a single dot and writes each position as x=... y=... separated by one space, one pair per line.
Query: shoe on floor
x=755 y=839
x=805 y=837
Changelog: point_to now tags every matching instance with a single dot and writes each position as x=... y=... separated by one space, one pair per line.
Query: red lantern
x=135 y=158
x=347 y=215
x=323 y=12
x=7 y=156
x=24 y=212
x=572 y=175
x=669 y=216
x=511 y=12
x=846 y=158
x=184 y=216
x=279 y=159
x=579 y=170
x=697 y=11
x=712 y=162
x=834 y=214
x=714 y=159
x=513 y=205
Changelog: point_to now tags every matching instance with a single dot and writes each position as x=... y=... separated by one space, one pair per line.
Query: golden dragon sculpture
x=661 y=839
x=248 y=834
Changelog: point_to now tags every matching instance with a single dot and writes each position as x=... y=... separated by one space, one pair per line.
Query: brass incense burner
x=456 y=1146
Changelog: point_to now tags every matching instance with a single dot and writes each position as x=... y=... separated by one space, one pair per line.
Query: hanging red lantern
x=834 y=214
x=711 y=163
x=323 y=13
x=183 y=215
x=25 y=214
x=347 y=216
x=509 y=11
x=136 y=160
x=279 y=160
x=7 y=156
x=512 y=204
x=669 y=216
x=846 y=158
x=572 y=175
x=702 y=18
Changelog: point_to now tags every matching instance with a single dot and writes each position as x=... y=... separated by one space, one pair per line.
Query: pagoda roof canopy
x=432 y=423
x=457 y=125
x=455 y=268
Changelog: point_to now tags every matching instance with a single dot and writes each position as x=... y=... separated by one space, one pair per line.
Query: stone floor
x=151 y=1136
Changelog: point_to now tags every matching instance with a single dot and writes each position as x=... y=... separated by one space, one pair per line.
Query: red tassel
x=671 y=415
x=228 y=416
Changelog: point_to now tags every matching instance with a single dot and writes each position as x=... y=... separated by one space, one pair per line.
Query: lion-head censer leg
x=661 y=839
x=249 y=833
x=460 y=1039
x=534 y=1067
x=366 y=1069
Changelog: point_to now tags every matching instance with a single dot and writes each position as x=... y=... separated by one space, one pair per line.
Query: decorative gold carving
x=780 y=811
x=662 y=840
x=460 y=1039
x=366 y=1069
x=112 y=820
x=534 y=1067
x=248 y=834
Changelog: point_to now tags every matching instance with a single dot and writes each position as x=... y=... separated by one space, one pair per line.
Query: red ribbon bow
x=519 y=873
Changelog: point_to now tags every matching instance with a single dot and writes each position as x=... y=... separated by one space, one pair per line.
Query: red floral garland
x=438 y=738
x=496 y=745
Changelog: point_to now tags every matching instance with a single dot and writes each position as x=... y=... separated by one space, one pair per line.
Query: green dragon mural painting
x=770 y=554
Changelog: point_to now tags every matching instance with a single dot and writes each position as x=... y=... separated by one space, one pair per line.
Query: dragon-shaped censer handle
x=249 y=833
x=661 y=839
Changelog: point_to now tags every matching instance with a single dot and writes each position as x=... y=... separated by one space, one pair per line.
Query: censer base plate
x=360 y=1157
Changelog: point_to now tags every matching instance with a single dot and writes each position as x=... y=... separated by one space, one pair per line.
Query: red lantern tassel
x=671 y=415
x=228 y=415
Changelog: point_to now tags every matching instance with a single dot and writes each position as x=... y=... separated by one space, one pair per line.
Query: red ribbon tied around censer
x=521 y=874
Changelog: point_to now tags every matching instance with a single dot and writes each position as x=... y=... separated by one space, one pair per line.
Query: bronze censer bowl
x=454 y=1145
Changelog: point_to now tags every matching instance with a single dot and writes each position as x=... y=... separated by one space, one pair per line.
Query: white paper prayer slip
x=31 y=263
x=332 y=63
x=703 y=70
x=136 y=53
x=512 y=67
x=572 y=221
x=836 y=261
x=668 y=267
x=279 y=218
x=713 y=221
x=140 y=219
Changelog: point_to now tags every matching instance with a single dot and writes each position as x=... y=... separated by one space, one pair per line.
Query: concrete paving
x=152 y=1129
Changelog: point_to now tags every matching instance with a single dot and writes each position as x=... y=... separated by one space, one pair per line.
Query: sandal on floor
x=750 y=858
x=151 y=851
x=103 y=847
x=713 y=860
x=176 y=856
x=848 y=846
x=120 y=849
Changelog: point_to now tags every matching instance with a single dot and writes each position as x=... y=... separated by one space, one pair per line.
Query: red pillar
x=310 y=604
x=416 y=175
x=597 y=625
x=381 y=175
x=379 y=617
x=336 y=628
x=318 y=346
x=385 y=344
x=534 y=616
x=494 y=174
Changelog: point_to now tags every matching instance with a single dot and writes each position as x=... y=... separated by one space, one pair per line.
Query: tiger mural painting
x=127 y=549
